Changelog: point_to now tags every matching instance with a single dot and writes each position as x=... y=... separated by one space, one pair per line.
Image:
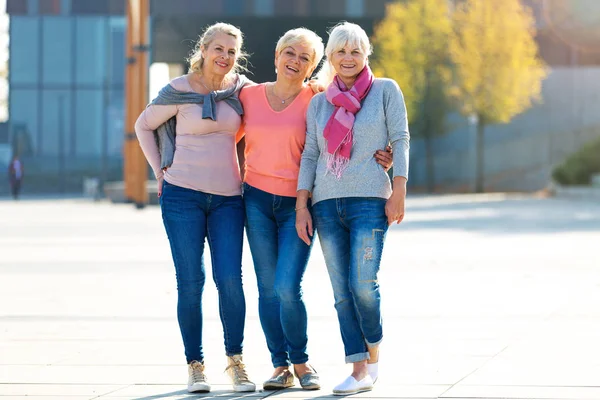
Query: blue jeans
x=280 y=259
x=352 y=232
x=189 y=217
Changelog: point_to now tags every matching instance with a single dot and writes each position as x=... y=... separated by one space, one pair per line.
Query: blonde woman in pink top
x=274 y=123
x=200 y=194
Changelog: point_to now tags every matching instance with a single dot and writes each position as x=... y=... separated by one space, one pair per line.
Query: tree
x=411 y=47
x=498 y=73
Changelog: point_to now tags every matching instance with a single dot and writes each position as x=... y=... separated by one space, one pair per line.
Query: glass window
x=24 y=50
x=15 y=7
x=65 y=7
x=263 y=7
x=116 y=54
x=89 y=110
x=328 y=8
x=56 y=122
x=285 y=8
x=91 y=65
x=57 y=50
x=105 y=7
x=24 y=118
x=302 y=8
x=51 y=7
x=33 y=7
x=115 y=123
x=376 y=8
x=234 y=7
x=355 y=8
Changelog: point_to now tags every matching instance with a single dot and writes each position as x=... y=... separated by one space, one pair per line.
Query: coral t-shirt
x=274 y=140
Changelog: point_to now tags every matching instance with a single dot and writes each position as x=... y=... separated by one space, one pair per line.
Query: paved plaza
x=484 y=297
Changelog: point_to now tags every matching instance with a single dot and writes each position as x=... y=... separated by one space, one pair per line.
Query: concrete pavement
x=484 y=297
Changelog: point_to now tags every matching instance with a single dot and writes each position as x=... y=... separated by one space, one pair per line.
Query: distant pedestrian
x=15 y=176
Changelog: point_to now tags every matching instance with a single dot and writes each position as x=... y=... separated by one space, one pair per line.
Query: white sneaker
x=373 y=371
x=238 y=375
x=352 y=386
x=196 y=378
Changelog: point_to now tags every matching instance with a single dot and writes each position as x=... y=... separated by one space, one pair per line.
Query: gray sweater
x=381 y=120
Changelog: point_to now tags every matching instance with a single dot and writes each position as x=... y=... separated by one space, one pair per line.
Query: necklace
x=207 y=88
x=279 y=98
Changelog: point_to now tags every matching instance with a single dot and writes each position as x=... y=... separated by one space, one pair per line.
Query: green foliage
x=579 y=167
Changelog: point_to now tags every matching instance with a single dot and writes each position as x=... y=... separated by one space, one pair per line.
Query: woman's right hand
x=304 y=225
x=160 y=180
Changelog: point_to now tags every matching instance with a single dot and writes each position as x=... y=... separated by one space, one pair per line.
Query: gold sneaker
x=238 y=375
x=197 y=380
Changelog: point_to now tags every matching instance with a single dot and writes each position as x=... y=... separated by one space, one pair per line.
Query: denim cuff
x=301 y=361
x=374 y=343
x=281 y=364
x=352 y=358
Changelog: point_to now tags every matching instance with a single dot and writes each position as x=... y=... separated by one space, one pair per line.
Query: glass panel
x=50 y=7
x=302 y=8
x=376 y=8
x=115 y=128
x=24 y=119
x=32 y=6
x=285 y=8
x=56 y=120
x=57 y=50
x=234 y=7
x=88 y=122
x=91 y=47
x=355 y=8
x=263 y=7
x=24 y=50
x=15 y=7
x=65 y=7
x=105 y=7
x=115 y=123
x=116 y=53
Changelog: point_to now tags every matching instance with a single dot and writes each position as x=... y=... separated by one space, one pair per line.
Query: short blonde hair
x=306 y=37
x=342 y=34
x=196 y=60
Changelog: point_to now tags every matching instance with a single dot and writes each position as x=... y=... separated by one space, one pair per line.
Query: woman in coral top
x=274 y=122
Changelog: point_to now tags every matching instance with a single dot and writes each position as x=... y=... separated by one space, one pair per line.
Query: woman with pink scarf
x=353 y=200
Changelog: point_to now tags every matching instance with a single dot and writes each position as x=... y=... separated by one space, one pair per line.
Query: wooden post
x=135 y=168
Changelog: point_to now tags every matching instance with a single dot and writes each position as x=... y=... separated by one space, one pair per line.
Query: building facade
x=67 y=63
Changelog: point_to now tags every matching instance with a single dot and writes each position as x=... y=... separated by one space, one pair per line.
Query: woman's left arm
x=399 y=137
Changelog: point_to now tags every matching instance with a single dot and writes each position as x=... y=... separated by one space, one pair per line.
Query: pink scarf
x=338 y=131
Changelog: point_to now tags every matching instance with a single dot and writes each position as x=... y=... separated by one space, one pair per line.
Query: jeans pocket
x=370 y=255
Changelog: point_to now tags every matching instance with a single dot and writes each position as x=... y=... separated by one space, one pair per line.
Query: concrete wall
x=519 y=156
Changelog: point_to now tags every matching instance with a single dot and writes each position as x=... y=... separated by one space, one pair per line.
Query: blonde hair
x=341 y=35
x=196 y=60
x=302 y=36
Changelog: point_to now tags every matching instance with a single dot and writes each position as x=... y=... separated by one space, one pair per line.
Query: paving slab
x=484 y=297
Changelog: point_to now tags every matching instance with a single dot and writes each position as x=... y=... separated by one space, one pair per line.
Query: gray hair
x=342 y=34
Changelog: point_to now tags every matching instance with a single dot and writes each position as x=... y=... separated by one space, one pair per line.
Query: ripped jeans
x=352 y=232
